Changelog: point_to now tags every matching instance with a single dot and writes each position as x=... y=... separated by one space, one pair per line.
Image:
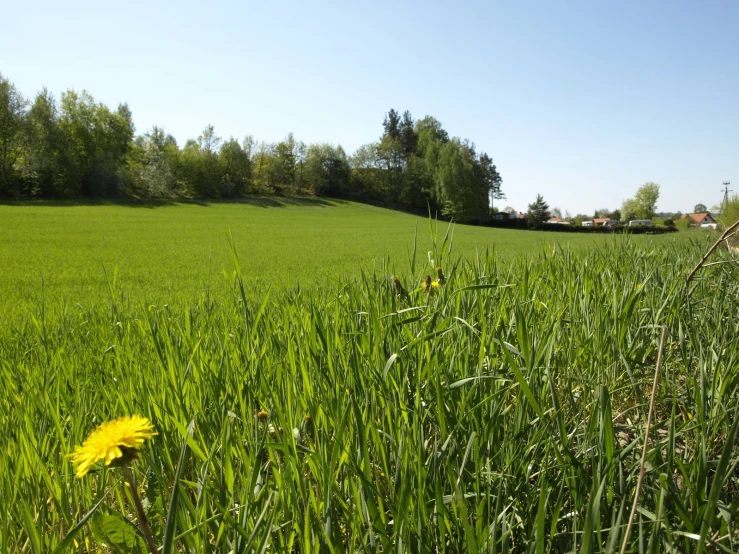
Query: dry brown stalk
x=642 y=467
x=726 y=234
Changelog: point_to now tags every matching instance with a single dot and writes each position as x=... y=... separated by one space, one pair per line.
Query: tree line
x=79 y=148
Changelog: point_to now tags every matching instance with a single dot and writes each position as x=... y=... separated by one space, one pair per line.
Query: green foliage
x=729 y=213
x=683 y=224
x=629 y=210
x=492 y=180
x=457 y=189
x=538 y=212
x=615 y=214
x=579 y=218
x=643 y=205
x=283 y=166
x=47 y=160
x=235 y=169
x=96 y=141
x=149 y=172
x=646 y=200
x=81 y=148
x=417 y=166
x=367 y=175
x=699 y=208
x=118 y=534
x=12 y=113
x=326 y=169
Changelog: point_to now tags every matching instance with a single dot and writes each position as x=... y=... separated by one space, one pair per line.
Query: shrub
x=729 y=212
x=683 y=223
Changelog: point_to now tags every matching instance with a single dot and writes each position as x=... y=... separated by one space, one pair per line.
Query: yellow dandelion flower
x=114 y=441
x=263 y=414
x=435 y=284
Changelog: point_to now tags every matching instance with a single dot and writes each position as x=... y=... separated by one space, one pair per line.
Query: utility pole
x=726 y=194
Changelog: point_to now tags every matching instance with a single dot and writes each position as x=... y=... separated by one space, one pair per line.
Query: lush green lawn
x=159 y=253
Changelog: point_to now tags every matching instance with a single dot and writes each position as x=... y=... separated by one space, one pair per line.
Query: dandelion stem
x=143 y=524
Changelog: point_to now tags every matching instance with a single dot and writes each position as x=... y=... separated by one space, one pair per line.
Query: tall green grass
x=505 y=413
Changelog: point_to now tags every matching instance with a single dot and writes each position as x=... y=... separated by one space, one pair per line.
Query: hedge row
x=522 y=224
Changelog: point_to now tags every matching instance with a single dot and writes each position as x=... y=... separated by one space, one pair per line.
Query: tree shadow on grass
x=65 y=203
x=285 y=201
x=258 y=201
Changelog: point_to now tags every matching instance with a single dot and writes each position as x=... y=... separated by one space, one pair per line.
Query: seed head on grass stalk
x=400 y=291
x=429 y=286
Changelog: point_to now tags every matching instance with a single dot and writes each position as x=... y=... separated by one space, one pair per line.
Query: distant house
x=506 y=215
x=700 y=219
x=558 y=221
x=640 y=223
x=587 y=223
x=601 y=221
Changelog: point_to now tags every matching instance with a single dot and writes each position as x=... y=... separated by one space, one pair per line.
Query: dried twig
x=642 y=467
x=723 y=237
x=722 y=262
x=731 y=235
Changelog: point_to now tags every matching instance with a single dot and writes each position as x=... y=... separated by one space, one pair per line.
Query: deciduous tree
x=457 y=188
x=45 y=149
x=12 y=122
x=326 y=169
x=235 y=169
x=644 y=203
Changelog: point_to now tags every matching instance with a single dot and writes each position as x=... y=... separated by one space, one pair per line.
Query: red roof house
x=701 y=218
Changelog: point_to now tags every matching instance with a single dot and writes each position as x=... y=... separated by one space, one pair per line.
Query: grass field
x=504 y=412
x=159 y=253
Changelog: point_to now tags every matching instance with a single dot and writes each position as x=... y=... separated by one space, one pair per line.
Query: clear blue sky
x=579 y=101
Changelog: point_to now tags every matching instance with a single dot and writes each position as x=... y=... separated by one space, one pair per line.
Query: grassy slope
x=158 y=253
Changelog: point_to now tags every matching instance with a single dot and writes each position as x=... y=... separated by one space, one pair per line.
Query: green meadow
x=512 y=409
x=170 y=252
